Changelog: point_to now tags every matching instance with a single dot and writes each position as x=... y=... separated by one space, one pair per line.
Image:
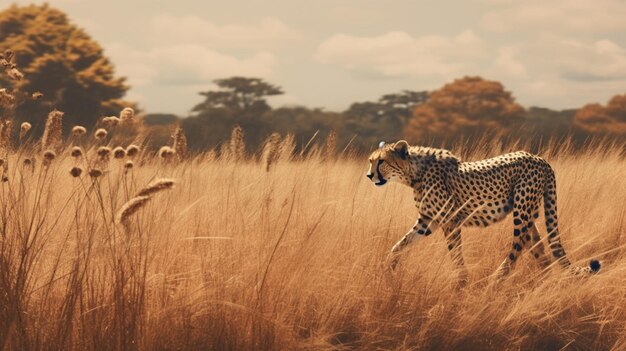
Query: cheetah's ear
x=402 y=148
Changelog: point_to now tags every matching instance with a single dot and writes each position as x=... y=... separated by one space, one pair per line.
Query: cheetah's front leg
x=452 y=231
x=422 y=227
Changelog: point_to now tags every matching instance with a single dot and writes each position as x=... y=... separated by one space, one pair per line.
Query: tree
x=382 y=120
x=469 y=106
x=598 y=119
x=237 y=101
x=61 y=61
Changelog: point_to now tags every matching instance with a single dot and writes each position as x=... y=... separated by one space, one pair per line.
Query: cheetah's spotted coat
x=451 y=194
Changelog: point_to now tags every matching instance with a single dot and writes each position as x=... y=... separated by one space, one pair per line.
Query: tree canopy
x=466 y=107
x=599 y=119
x=61 y=61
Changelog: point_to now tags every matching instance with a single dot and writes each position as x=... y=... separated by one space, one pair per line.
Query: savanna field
x=286 y=251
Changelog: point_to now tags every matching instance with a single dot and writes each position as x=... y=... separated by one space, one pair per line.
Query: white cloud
x=398 y=54
x=555 y=71
x=185 y=64
x=556 y=15
x=268 y=33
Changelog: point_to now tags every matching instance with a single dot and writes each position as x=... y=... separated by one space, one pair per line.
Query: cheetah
x=451 y=194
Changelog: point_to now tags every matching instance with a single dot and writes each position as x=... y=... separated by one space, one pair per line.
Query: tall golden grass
x=243 y=256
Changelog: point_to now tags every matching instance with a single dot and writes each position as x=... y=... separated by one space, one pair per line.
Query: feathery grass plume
x=180 y=142
x=76 y=152
x=237 y=145
x=48 y=157
x=76 y=171
x=51 y=138
x=6 y=99
x=156 y=186
x=6 y=127
x=287 y=147
x=111 y=121
x=211 y=155
x=79 y=131
x=119 y=152
x=129 y=208
x=101 y=133
x=132 y=150
x=127 y=114
x=166 y=153
x=36 y=95
x=95 y=172
x=331 y=145
x=24 y=128
x=271 y=150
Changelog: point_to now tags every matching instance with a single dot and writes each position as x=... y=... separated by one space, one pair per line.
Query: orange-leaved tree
x=598 y=119
x=467 y=107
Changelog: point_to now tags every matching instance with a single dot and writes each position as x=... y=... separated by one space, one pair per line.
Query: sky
x=330 y=53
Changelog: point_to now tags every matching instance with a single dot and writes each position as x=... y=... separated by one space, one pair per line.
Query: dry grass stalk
x=331 y=145
x=179 y=143
x=156 y=186
x=271 y=150
x=24 y=128
x=131 y=207
x=287 y=147
x=52 y=134
x=237 y=145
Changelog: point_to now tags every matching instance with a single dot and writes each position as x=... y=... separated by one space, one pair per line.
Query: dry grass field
x=234 y=257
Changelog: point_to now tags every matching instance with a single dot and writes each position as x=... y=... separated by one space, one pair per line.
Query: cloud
x=268 y=33
x=556 y=16
x=398 y=54
x=185 y=64
x=555 y=70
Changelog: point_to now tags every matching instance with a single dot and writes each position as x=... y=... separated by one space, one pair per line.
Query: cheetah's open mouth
x=381 y=182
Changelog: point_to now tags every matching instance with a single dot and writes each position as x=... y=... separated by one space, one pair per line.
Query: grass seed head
x=132 y=150
x=36 y=95
x=76 y=172
x=104 y=152
x=180 y=142
x=119 y=152
x=95 y=173
x=79 y=131
x=129 y=208
x=52 y=137
x=111 y=121
x=156 y=186
x=127 y=114
x=101 y=133
x=166 y=152
x=24 y=128
x=76 y=152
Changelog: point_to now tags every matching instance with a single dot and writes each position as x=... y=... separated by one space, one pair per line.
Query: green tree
x=61 y=61
x=470 y=106
x=237 y=101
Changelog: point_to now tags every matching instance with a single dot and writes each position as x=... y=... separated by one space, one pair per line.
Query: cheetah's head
x=389 y=162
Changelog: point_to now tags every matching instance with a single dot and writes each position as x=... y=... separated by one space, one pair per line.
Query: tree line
x=66 y=69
